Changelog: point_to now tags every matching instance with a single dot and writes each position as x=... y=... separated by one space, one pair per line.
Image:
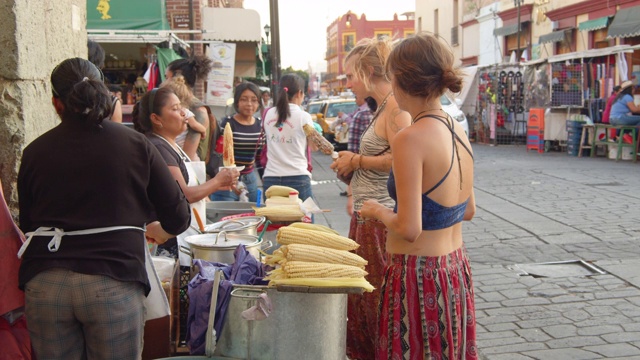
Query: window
x=382 y=34
x=435 y=22
x=420 y=24
x=348 y=41
x=408 y=33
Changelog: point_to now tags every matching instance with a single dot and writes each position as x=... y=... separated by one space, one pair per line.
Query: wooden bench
x=595 y=142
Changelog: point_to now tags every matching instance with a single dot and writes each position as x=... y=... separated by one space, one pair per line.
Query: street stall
x=136 y=60
x=501 y=107
x=245 y=302
x=578 y=85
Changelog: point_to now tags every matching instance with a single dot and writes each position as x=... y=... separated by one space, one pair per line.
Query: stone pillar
x=36 y=36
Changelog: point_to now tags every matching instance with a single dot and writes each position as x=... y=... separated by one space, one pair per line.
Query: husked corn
x=360 y=282
x=291 y=235
x=319 y=254
x=279 y=190
x=304 y=269
x=308 y=226
x=279 y=211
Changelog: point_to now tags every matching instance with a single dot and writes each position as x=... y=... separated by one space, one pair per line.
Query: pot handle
x=231 y=222
x=220 y=234
x=185 y=250
x=269 y=246
x=252 y=297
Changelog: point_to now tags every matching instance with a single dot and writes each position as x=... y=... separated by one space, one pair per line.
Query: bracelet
x=360 y=162
x=351 y=159
x=349 y=195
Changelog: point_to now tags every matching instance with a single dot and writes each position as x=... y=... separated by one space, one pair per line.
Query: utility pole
x=518 y=3
x=275 y=47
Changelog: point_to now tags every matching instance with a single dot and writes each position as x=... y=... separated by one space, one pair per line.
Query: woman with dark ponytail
x=86 y=190
x=286 y=140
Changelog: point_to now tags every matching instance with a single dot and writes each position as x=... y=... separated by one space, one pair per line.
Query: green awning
x=552 y=37
x=595 y=24
x=506 y=30
x=127 y=15
x=626 y=23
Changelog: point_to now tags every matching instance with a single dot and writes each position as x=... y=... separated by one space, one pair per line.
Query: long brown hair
x=422 y=66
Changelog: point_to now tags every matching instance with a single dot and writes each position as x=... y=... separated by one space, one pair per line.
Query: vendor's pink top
x=11 y=239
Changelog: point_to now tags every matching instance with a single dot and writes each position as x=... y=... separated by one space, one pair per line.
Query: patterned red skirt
x=362 y=310
x=427 y=308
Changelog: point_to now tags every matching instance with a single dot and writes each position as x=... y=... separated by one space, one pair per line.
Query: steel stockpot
x=301 y=326
x=221 y=246
x=247 y=225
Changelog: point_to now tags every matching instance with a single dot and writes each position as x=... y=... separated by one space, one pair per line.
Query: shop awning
x=231 y=24
x=626 y=23
x=127 y=15
x=506 y=30
x=552 y=37
x=595 y=24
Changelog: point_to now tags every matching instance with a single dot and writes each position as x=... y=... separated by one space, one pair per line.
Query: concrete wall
x=35 y=36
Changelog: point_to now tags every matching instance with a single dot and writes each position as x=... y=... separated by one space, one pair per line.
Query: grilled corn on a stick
x=318 y=140
x=228 y=159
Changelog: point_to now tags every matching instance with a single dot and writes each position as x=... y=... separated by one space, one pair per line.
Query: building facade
x=345 y=32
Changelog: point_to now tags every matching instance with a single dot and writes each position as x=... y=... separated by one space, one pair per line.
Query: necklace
x=417 y=117
x=383 y=103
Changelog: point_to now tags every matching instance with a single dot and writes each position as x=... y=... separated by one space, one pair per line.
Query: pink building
x=344 y=32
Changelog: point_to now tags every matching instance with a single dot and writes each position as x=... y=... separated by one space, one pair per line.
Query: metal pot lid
x=225 y=241
x=237 y=224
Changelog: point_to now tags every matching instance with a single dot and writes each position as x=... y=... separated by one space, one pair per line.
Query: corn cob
x=318 y=140
x=280 y=213
x=291 y=235
x=228 y=158
x=319 y=254
x=360 y=282
x=303 y=225
x=279 y=190
x=304 y=269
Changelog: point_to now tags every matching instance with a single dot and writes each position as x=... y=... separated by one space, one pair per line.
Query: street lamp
x=518 y=4
x=267 y=28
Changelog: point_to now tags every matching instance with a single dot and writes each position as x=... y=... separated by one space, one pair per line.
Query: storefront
x=134 y=35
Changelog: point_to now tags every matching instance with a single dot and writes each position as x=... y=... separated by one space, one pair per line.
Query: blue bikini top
x=434 y=215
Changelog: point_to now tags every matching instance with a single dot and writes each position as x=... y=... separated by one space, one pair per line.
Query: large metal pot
x=247 y=225
x=221 y=246
x=301 y=326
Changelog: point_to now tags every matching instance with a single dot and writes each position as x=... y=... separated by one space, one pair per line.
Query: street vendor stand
x=578 y=85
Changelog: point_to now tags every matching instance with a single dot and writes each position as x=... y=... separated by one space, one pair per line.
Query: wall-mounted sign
x=180 y=21
x=220 y=80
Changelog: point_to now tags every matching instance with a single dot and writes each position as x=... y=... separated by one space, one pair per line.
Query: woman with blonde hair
x=427 y=304
x=179 y=86
x=365 y=71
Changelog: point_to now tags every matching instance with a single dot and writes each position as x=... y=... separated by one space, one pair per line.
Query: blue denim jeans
x=302 y=183
x=251 y=182
x=625 y=120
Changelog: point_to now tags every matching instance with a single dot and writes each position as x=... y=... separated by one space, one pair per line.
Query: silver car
x=451 y=108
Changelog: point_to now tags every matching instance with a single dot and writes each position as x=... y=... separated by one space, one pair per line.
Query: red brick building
x=344 y=32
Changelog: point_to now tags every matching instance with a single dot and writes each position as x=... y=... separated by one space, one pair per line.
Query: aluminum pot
x=221 y=246
x=247 y=225
x=301 y=326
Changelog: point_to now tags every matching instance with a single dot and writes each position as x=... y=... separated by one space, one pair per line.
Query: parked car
x=453 y=109
x=325 y=112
